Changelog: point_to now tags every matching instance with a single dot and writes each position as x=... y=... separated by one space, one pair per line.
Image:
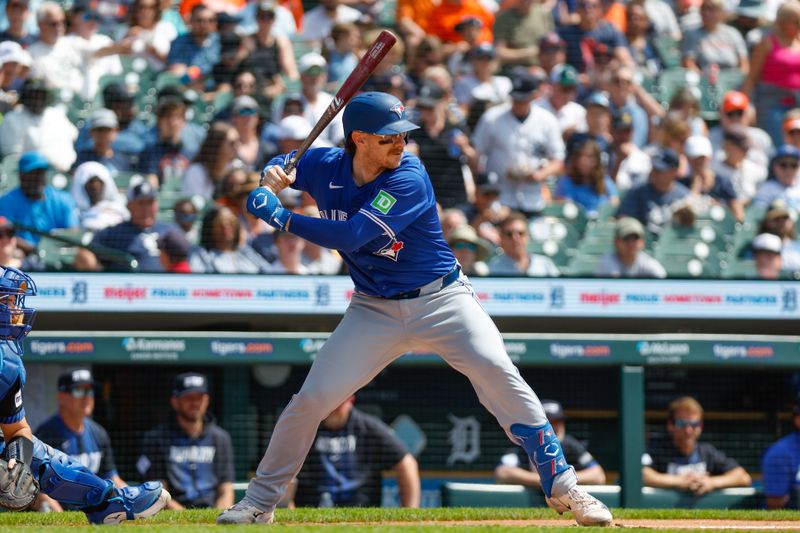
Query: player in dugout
x=27 y=465
x=378 y=210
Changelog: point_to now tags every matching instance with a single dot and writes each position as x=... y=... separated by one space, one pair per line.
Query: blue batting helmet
x=375 y=112
x=16 y=320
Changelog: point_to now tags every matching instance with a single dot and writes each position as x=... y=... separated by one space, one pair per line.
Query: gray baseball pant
x=373 y=333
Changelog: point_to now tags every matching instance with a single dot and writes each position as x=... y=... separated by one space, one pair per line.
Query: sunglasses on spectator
x=788 y=164
x=681 y=423
x=7 y=233
x=736 y=113
x=631 y=237
x=82 y=392
x=247 y=111
x=465 y=246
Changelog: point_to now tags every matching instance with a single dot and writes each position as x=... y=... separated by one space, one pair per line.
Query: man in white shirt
x=318 y=21
x=54 y=58
x=628 y=260
x=522 y=144
x=561 y=100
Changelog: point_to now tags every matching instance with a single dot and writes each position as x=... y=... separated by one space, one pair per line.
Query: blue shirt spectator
x=780 y=468
x=583 y=42
x=36 y=204
x=198 y=48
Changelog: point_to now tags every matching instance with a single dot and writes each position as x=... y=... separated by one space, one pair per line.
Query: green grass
x=378 y=520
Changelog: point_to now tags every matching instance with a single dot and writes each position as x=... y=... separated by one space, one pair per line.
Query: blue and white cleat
x=132 y=503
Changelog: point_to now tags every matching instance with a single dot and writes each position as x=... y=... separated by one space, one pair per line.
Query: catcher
x=28 y=465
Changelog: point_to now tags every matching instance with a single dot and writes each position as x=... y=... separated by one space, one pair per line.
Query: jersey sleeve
x=577 y=454
x=11 y=408
x=108 y=467
x=389 y=449
x=47 y=433
x=717 y=462
x=223 y=463
x=398 y=203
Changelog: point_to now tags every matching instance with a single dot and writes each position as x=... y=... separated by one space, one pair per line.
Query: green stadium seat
x=669 y=82
x=9 y=172
x=570 y=212
x=553 y=249
x=689 y=266
x=669 y=50
x=582 y=265
x=123 y=178
x=58 y=249
x=739 y=269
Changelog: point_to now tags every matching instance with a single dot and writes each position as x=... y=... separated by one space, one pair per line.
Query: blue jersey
x=91 y=447
x=12 y=380
x=781 y=469
x=409 y=250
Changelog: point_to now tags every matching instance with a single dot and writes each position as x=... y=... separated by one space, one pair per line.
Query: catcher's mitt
x=18 y=488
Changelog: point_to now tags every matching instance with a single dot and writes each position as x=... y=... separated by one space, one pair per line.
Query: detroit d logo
x=383 y=202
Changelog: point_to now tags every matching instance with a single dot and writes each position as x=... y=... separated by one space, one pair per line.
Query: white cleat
x=587 y=510
x=245 y=513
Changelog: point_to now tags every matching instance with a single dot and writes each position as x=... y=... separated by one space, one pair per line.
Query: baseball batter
x=26 y=463
x=379 y=211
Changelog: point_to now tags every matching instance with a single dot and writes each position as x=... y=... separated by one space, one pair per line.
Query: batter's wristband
x=21 y=449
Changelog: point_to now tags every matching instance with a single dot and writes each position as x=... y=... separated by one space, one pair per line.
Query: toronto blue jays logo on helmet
x=398 y=109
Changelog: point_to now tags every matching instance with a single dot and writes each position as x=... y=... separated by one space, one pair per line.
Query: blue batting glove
x=265 y=205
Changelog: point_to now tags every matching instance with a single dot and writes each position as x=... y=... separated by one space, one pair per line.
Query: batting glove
x=265 y=205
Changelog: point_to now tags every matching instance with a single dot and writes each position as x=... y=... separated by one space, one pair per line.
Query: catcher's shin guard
x=66 y=481
x=544 y=450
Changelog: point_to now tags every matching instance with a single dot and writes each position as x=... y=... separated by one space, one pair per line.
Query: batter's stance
x=379 y=211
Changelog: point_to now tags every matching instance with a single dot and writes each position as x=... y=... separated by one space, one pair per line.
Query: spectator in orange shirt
x=412 y=18
x=443 y=19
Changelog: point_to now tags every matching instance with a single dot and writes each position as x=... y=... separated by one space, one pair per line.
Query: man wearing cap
x=137 y=236
x=17 y=14
x=199 y=47
x=36 y=125
x=628 y=259
x=552 y=51
x=592 y=29
x=703 y=182
x=318 y=21
x=72 y=429
x=780 y=467
x=745 y=175
x=444 y=148
x=515 y=467
x=628 y=165
x=458 y=62
x=767 y=253
x=470 y=250
x=786 y=183
x=560 y=100
x=15 y=63
x=190 y=453
x=103 y=130
x=518 y=29
x=736 y=111
x=481 y=84
x=650 y=202
x=622 y=91
x=175 y=248
x=445 y=16
x=522 y=144
x=171 y=144
x=780 y=220
x=36 y=204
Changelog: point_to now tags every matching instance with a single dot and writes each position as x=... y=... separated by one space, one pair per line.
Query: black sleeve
x=223 y=461
x=11 y=404
x=576 y=453
x=717 y=463
x=107 y=466
x=151 y=464
x=46 y=432
x=388 y=449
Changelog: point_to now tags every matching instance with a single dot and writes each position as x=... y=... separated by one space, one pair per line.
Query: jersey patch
x=383 y=202
x=391 y=250
x=18 y=398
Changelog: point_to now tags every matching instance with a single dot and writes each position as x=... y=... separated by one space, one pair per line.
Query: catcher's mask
x=16 y=320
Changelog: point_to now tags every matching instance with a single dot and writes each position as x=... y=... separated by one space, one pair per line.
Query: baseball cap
x=565 y=75
x=622 y=121
x=553 y=410
x=141 y=191
x=483 y=51
x=767 y=242
x=753 y=9
x=245 y=105
x=468 y=22
x=294 y=128
x=266 y=5
x=628 y=226
x=598 y=99
x=190 y=382
x=174 y=242
x=523 y=83
x=698 y=146
x=665 y=159
x=429 y=95
x=786 y=150
x=466 y=233
x=734 y=101
x=309 y=61
x=103 y=118
x=12 y=52
x=791 y=123
x=229 y=41
x=31 y=161
x=551 y=40
x=778 y=208
x=75 y=378
x=116 y=93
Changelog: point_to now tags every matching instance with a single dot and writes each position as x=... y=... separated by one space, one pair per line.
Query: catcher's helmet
x=16 y=320
x=375 y=112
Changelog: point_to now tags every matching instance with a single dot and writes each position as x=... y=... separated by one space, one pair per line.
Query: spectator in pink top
x=775 y=72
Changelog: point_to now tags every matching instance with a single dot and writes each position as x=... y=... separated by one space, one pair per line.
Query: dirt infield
x=719 y=525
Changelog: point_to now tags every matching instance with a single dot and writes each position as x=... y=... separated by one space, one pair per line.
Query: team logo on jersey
x=18 y=399
x=391 y=250
x=398 y=108
x=383 y=202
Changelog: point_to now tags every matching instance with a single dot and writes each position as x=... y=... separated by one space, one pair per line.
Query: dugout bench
x=490 y=495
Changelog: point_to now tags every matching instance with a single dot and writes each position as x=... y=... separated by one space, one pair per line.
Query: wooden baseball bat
x=377 y=51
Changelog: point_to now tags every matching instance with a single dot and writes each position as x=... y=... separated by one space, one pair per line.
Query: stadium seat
x=58 y=249
x=569 y=212
x=739 y=269
x=553 y=249
x=582 y=266
x=669 y=50
x=9 y=172
x=123 y=178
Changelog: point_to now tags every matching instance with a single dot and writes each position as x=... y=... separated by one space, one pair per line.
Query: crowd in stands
x=638 y=138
